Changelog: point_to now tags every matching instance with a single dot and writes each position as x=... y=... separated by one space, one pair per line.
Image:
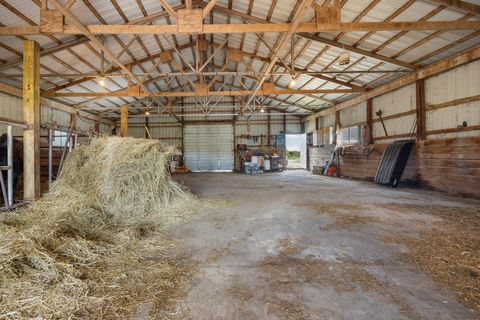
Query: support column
x=97 y=127
x=31 y=116
x=420 y=99
x=338 y=127
x=147 y=128
x=124 y=122
x=269 y=129
x=370 y=121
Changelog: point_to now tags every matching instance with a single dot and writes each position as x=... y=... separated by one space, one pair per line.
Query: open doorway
x=296 y=151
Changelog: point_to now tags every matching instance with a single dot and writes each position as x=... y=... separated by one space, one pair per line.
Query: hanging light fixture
x=292 y=82
x=102 y=81
x=147 y=113
x=344 y=59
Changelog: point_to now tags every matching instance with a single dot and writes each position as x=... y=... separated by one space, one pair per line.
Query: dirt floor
x=293 y=245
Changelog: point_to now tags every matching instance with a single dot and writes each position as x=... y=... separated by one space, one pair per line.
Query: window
x=59 y=138
x=350 y=135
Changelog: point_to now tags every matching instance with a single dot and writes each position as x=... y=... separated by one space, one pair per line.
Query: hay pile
x=93 y=246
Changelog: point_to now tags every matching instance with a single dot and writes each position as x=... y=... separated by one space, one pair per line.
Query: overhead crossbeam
x=248 y=28
x=126 y=93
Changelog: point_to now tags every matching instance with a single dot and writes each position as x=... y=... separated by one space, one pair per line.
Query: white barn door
x=208 y=148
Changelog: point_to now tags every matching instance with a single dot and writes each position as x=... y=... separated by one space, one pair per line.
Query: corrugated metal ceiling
x=84 y=58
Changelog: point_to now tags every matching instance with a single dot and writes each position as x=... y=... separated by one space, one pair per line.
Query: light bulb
x=262 y=110
x=292 y=82
x=344 y=59
x=147 y=113
x=102 y=81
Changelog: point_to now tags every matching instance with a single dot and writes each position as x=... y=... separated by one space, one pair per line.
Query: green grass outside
x=293 y=155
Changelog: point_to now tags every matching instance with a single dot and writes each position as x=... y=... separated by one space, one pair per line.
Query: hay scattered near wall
x=93 y=246
x=449 y=251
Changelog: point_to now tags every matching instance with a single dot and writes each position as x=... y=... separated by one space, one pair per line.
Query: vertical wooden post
x=147 y=127
x=124 y=122
x=338 y=126
x=420 y=99
x=269 y=129
x=97 y=127
x=31 y=116
x=370 y=121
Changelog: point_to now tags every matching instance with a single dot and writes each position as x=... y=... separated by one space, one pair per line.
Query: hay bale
x=69 y=254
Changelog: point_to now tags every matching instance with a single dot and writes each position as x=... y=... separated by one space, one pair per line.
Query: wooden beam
x=370 y=121
x=298 y=70
x=460 y=5
x=84 y=31
x=168 y=8
x=147 y=128
x=31 y=116
x=338 y=126
x=362 y=52
x=124 y=122
x=317 y=38
x=81 y=40
x=280 y=46
x=55 y=105
x=126 y=93
x=69 y=3
x=426 y=72
x=97 y=127
x=249 y=28
x=455 y=102
x=420 y=109
x=209 y=7
x=114 y=69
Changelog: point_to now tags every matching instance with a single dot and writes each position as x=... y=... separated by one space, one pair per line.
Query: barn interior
x=249 y=159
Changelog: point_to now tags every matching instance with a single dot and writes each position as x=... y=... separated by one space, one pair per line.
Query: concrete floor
x=273 y=253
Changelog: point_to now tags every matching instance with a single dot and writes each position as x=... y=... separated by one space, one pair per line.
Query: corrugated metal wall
x=327 y=120
x=165 y=129
x=392 y=103
x=353 y=115
x=12 y=108
x=456 y=84
x=105 y=129
x=170 y=132
x=310 y=126
x=460 y=83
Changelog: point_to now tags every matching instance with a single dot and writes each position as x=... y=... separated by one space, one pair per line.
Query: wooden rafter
x=209 y=7
x=319 y=39
x=460 y=5
x=265 y=26
x=436 y=68
x=84 y=30
x=168 y=8
x=283 y=41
